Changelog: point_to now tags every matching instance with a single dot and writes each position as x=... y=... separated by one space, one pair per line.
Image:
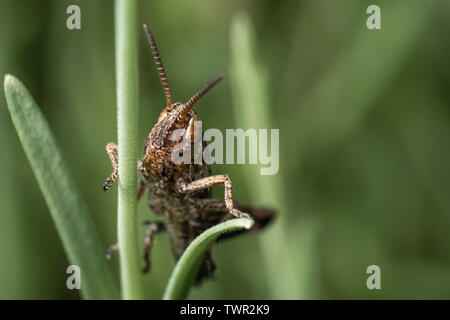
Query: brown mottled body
x=180 y=192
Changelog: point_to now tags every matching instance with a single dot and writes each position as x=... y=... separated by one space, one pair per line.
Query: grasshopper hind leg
x=184 y=186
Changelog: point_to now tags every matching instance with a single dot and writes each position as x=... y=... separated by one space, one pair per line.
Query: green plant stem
x=186 y=269
x=69 y=212
x=127 y=123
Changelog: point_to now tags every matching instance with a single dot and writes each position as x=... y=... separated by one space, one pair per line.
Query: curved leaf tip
x=187 y=266
x=8 y=81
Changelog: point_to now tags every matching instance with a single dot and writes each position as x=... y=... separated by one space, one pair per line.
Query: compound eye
x=173 y=106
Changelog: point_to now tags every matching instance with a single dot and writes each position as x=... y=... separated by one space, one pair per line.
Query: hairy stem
x=127 y=123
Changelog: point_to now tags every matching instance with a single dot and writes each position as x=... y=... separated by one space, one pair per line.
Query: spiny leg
x=113 y=153
x=184 y=186
x=144 y=179
x=152 y=229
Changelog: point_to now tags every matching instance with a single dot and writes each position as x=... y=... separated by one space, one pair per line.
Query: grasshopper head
x=164 y=136
x=161 y=140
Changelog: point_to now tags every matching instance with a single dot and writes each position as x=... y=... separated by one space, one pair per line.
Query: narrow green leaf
x=186 y=269
x=75 y=227
x=252 y=109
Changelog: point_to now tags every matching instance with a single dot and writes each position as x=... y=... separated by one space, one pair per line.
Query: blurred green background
x=364 y=119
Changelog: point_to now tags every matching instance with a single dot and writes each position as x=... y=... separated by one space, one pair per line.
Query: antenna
x=159 y=66
x=192 y=101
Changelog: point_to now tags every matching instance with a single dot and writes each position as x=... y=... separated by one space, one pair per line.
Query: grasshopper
x=180 y=192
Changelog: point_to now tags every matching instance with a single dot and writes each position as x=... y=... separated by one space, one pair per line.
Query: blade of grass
x=251 y=110
x=75 y=227
x=186 y=269
x=127 y=123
